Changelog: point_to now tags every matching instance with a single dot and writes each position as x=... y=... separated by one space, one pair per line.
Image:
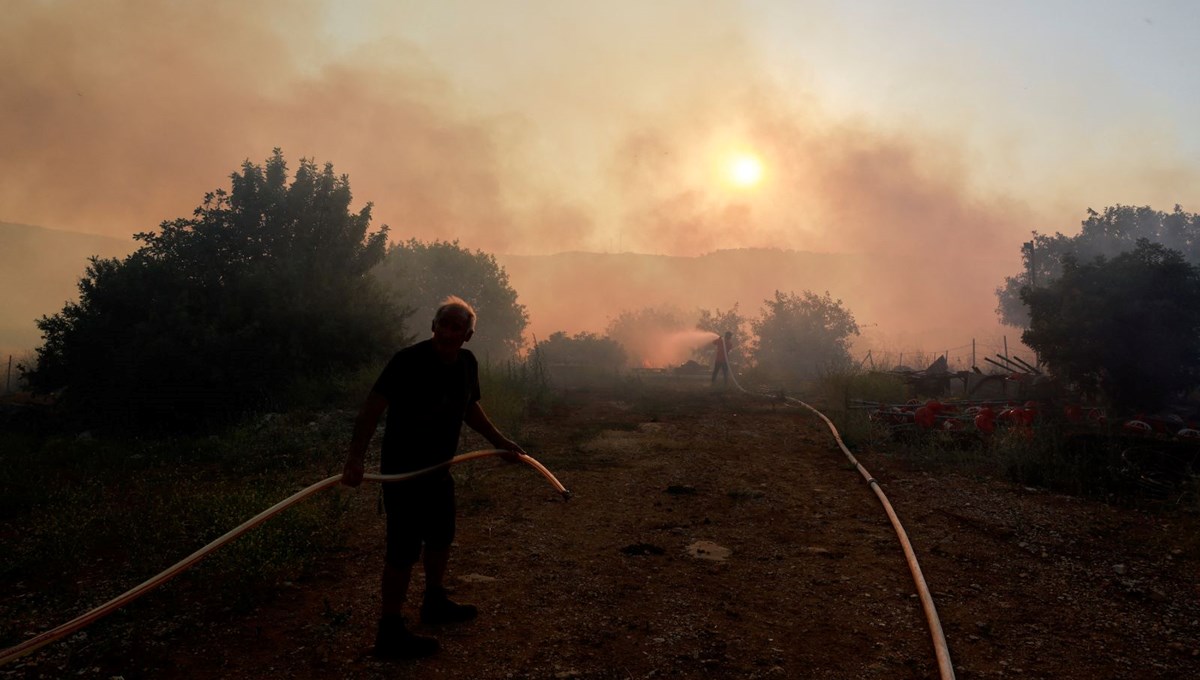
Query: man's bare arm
x=477 y=419
x=364 y=428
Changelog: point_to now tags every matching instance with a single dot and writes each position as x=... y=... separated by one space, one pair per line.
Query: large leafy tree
x=420 y=275
x=1110 y=233
x=797 y=336
x=1126 y=327
x=221 y=312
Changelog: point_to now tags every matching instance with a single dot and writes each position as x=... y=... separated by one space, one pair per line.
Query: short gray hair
x=454 y=304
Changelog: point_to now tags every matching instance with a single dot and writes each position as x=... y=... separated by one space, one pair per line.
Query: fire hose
x=941 y=649
x=86 y=619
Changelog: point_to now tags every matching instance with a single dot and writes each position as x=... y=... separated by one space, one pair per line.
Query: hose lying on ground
x=84 y=620
x=940 y=648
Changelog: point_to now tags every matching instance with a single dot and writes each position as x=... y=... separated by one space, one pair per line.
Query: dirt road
x=713 y=534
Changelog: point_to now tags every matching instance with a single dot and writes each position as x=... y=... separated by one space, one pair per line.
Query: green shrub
x=514 y=389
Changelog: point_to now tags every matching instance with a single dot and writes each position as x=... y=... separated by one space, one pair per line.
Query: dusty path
x=630 y=579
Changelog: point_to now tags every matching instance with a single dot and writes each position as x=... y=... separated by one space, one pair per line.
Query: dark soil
x=712 y=534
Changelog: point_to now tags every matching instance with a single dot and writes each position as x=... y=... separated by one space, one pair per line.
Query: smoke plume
x=520 y=128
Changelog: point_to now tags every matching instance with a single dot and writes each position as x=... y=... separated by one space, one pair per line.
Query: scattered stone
x=707 y=550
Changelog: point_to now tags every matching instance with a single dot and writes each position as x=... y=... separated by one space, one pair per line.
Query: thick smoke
x=122 y=113
x=516 y=128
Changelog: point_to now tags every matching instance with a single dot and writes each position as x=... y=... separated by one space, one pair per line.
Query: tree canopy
x=1116 y=230
x=797 y=336
x=1126 y=327
x=421 y=275
x=221 y=312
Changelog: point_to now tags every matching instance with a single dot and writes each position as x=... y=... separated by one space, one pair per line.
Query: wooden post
x=972 y=352
x=1004 y=383
x=865 y=359
x=1033 y=261
x=8 y=382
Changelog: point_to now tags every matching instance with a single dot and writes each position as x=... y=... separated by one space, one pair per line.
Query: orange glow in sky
x=745 y=170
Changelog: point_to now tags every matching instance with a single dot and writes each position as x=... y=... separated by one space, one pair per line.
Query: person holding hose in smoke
x=428 y=390
x=721 y=363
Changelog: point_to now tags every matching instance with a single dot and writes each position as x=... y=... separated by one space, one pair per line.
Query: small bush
x=838 y=388
x=513 y=389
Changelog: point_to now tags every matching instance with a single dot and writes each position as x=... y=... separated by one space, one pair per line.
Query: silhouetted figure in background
x=428 y=390
x=721 y=363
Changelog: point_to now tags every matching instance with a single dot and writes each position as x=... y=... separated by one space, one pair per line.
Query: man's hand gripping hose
x=84 y=620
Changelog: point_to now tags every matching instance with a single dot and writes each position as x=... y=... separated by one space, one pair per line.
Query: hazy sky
x=940 y=129
x=532 y=127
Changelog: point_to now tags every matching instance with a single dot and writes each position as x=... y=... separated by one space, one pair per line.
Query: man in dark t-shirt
x=428 y=390
x=427 y=401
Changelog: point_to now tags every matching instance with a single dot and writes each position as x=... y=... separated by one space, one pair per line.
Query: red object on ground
x=984 y=422
x=925 y=417
x=1137 y=427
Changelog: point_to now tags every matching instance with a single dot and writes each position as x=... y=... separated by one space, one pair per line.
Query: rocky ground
x=714 y=534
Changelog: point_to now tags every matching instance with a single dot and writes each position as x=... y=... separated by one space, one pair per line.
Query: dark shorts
x=419 y=511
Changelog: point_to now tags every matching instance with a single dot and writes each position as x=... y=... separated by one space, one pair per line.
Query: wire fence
x=964 y=357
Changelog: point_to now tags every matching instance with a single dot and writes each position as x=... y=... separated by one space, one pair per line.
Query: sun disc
x=745 y=170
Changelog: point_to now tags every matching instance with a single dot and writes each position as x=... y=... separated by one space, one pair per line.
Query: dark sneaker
x=395 y=641
x=438 y=609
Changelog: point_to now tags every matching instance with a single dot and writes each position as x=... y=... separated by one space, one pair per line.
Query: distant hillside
x=905 y=304
x=39 y=271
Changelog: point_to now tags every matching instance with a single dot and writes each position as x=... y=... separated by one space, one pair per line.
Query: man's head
x=454 y=322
